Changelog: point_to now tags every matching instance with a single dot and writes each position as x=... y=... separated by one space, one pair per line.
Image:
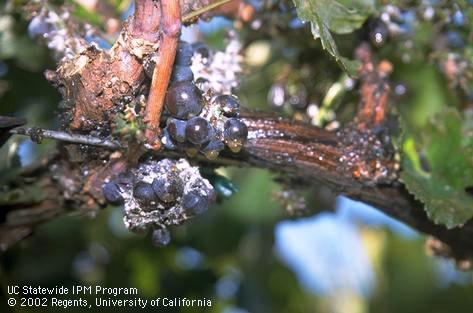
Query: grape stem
x=170 y=31
x=194 y=14
x=38 y=134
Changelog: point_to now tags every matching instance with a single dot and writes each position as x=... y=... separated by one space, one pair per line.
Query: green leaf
x=446 y=144
x=341 y=17
x=429 y=96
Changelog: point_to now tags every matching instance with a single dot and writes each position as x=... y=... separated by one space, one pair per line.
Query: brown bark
x=171 y=30
x=355 y=161
x=277 y=144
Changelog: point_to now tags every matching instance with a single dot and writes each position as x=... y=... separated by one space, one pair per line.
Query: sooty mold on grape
x=153 y=197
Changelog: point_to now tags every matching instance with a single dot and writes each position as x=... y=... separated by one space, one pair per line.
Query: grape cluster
x=61 y=33
x=397 y=22
x=158 y=194
x=200 y=118
x=439 y=28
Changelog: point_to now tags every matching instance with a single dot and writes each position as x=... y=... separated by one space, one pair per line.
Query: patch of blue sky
x=326 y=254
x=27 y=151
x=214 y=25
x=365 y=214
x=129 y=11
x=99 y=41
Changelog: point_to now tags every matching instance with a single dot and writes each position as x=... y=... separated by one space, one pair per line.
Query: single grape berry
x=167 y=188
x=111 y=192
x=184 y=54
x=177 y=129
x=183 y=100
x=198 y=130
x=235 y=133
x=229 y=105
x=235 y=129
x=182 y=73
x=161 y=237
x=379 y=33
x=144 y=193
x=202 y=83
x=195 y=203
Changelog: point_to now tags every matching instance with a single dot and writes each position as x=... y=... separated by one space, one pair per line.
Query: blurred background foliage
x=246 y=254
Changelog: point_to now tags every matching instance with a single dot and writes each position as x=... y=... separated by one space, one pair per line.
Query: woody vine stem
x=357 y=161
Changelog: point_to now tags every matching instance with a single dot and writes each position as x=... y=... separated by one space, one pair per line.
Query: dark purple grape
x=379 y=33
x=111 y=192
x=182 y=73
x=202 y=83
x=177 y=129
x=235 y=129
x=161 y=237
x=229 y=104
x=195 y=203
x=183 y=100
x=198 y=130
x=235 y=133
x=144 y=193
x=167 y=188
x=184 y=54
